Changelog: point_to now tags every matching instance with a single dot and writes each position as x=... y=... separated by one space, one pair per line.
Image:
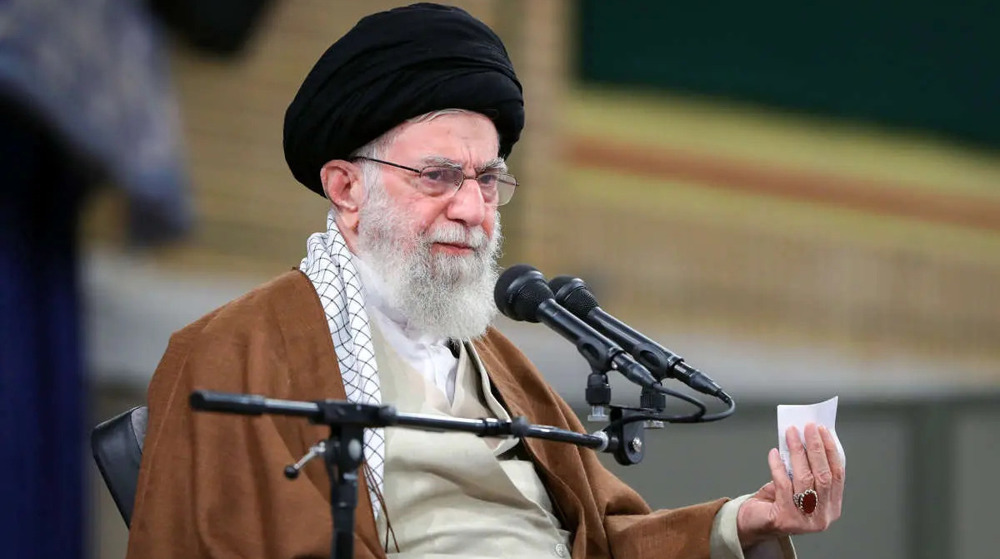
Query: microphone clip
x=598 y=396
x=650 y=399
x=626 y=439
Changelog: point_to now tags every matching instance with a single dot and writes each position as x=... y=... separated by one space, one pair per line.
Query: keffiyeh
x=329 y=266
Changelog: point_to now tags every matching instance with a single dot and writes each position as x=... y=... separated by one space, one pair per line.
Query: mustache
x=455 y=234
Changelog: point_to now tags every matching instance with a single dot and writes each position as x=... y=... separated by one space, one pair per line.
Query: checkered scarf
x=329 y=265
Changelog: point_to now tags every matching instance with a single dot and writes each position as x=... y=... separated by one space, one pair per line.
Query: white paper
x=823 y=413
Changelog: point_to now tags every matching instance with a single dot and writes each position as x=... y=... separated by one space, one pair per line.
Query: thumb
x=766 y=492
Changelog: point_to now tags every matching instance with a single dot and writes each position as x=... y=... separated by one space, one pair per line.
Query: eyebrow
x=495 y=164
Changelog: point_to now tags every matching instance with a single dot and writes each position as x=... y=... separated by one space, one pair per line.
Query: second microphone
x=522 y=294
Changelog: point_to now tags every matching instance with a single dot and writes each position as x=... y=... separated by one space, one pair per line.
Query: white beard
x=441 y=295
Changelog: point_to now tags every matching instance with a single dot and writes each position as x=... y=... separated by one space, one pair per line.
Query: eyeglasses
x=445 y=180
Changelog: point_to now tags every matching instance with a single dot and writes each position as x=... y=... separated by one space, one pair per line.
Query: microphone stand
x=343 y=450
x=598 y=396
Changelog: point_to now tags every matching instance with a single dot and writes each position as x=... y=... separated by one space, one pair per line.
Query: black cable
x=724 y=413
x=731 y=407
x=690 y=418
x=681 y=396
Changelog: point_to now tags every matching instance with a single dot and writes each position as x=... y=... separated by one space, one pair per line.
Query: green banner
x=920 y=64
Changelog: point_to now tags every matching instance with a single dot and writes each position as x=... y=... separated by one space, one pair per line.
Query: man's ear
x=344 y=188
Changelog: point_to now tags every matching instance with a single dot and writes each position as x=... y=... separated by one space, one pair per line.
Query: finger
x=832 y=454
x=818 y=463
x=837 y=470
x=802 y=477
x=779 y=477
x=820 y=466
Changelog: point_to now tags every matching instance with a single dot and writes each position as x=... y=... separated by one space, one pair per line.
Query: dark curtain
x=49 y=126
x=42 y=389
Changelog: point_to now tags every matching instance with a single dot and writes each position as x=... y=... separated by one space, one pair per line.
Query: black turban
x=393 y=66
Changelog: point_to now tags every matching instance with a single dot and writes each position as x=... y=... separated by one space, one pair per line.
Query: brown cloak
x=211 y=485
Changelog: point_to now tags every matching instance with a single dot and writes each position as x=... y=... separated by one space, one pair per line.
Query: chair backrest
x=117 y=446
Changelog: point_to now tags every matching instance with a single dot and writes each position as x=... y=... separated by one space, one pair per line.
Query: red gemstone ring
x=806 y=501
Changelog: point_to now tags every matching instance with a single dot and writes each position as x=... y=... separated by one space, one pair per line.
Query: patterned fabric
x=329 y=266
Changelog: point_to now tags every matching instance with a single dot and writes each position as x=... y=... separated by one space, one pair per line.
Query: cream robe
x=455 y=494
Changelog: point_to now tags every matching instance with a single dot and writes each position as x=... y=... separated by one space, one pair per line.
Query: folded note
x=823 y=413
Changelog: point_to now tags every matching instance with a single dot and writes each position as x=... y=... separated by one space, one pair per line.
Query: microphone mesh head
x=519 y=291
x=573 y=295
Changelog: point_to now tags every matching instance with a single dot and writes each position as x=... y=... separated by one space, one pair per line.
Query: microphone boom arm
x=343 y=451
x=344 y=413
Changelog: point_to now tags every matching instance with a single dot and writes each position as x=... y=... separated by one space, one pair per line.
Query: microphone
x=573 y=295
x=522 y=294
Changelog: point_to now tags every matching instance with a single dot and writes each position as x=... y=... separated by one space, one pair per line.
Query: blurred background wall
x=803 y=200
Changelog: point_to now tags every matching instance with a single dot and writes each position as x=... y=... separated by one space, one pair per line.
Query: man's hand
x=771 y=512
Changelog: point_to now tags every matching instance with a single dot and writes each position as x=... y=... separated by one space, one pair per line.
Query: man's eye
x=444 y=175
x=488 y=180
x=437 y=175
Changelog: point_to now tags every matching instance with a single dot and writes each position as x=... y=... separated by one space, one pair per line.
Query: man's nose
x=467 y=205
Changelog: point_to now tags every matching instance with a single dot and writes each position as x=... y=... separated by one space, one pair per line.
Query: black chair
x=117 y=446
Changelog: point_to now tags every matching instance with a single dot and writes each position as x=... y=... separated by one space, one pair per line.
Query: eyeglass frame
x=458 y=186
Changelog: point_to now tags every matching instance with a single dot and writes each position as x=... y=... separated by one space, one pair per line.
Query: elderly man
x=403 y=125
